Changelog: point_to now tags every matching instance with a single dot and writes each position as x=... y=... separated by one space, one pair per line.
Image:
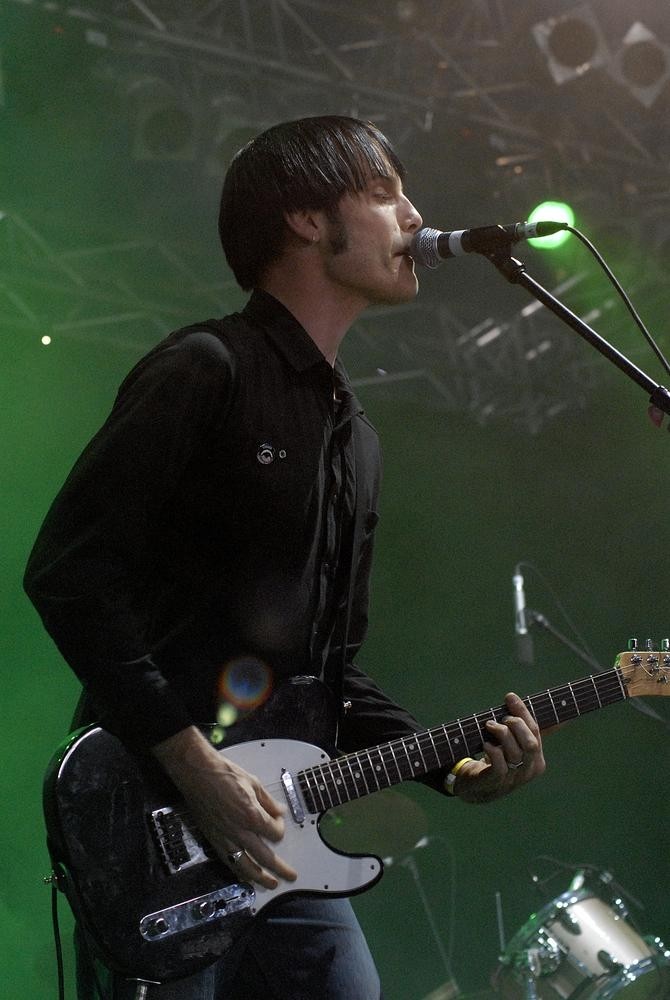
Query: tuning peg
x=632 y=645
x=649 y=644
x=665 y=645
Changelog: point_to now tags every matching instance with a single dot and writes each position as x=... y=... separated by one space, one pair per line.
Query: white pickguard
x=319 y=867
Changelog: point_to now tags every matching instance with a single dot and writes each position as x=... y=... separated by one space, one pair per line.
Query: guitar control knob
x=157 y=927
x=205 y=909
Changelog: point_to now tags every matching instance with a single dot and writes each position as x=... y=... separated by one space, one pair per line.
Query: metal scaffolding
x=464 y=79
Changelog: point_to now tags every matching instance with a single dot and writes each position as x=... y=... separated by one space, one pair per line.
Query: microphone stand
x=515 y=272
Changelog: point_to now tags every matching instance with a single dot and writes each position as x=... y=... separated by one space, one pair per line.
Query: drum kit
x=582 y=946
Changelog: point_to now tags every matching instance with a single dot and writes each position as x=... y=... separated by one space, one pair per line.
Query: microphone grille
x=424 y=247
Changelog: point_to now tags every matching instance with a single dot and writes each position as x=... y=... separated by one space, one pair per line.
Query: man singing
x=222 y=520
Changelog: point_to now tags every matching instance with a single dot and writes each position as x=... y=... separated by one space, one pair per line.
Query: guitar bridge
x=178 y=846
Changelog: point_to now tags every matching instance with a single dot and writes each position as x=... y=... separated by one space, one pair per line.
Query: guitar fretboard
x=366 y=771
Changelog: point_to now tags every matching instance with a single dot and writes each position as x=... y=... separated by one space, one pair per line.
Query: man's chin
x=400 y=295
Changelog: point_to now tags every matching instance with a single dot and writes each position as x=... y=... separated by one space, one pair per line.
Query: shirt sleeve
x=87 y=572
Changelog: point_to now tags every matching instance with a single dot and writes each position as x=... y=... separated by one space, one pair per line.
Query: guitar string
x=600 y=690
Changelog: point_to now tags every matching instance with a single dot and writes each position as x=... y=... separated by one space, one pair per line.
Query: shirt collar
x=296 y=345
x=281 y=326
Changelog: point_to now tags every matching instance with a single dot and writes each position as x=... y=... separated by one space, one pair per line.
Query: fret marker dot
x=564 y=703
x=322 y=788
x=357 y=774
x=457 y=739
x=416 y=763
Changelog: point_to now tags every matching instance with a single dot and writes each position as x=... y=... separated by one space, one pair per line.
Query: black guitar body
x=122 y=854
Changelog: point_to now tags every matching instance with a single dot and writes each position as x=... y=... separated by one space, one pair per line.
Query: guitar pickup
x=178 y=846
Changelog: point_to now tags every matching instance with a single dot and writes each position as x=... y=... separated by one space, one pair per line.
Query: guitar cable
x=58 y=945
x=57 y=941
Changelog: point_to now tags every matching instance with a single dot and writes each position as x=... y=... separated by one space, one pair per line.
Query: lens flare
x=245 y=683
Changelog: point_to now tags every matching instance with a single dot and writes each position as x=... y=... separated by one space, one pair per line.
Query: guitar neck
x=366 y=771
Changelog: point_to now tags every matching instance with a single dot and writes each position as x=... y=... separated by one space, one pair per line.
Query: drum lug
x=608 y=963
x=657 y=945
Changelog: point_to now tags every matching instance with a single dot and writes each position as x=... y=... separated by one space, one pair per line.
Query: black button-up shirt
x=208 y=522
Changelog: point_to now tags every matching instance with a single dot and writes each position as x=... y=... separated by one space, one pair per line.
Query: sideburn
x=338 y=237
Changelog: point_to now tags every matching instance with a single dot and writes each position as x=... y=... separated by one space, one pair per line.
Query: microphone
x=524 y=642
x=430 y=246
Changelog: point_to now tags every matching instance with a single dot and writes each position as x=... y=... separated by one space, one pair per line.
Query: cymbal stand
x=528 y=962
x=410 y=864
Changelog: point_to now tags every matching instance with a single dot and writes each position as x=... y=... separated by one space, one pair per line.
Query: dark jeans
x=304 y=949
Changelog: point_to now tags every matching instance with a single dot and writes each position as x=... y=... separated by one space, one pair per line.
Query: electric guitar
x=155 y=901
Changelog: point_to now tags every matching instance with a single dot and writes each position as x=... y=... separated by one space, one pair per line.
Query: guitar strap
x=334 y=669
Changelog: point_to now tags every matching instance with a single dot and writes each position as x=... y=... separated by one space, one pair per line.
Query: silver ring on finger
x=515 y=766
x=235 y=856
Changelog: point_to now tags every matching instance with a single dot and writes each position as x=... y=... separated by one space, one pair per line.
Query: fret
x=373 y=771
x=553 y=706
x=322 y=785
x=395 y=761
x=610 y=688
x=463 y=736
x=459 y=742
x=438 y=760
x=595 y=689
x=452 y=755
x=482 y=737
x=404 y=745
x=340 y=782
x=622 y=687
x=327 y=784
x=472 y=734
x=569 y=686
x=313 y=791
x=380 y=754
x=350 y=761
x=416 y=766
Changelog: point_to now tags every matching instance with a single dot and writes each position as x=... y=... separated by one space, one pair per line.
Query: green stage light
x=552 y=211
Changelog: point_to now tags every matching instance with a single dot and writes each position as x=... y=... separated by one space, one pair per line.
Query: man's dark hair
x=307 y=164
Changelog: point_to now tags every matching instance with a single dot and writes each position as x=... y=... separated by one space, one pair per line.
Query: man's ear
x=307 y=226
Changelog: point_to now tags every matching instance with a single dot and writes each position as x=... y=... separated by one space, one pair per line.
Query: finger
x=248 y=869
x=497 y=760
x=519 y=732
x=263 y=855
x=518 y=708
x=512 y=736
x=275 y=811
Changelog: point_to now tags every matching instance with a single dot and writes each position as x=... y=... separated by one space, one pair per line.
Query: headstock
x=645 y=671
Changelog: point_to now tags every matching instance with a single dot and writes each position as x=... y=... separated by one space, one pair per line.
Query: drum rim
x=655 y=961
